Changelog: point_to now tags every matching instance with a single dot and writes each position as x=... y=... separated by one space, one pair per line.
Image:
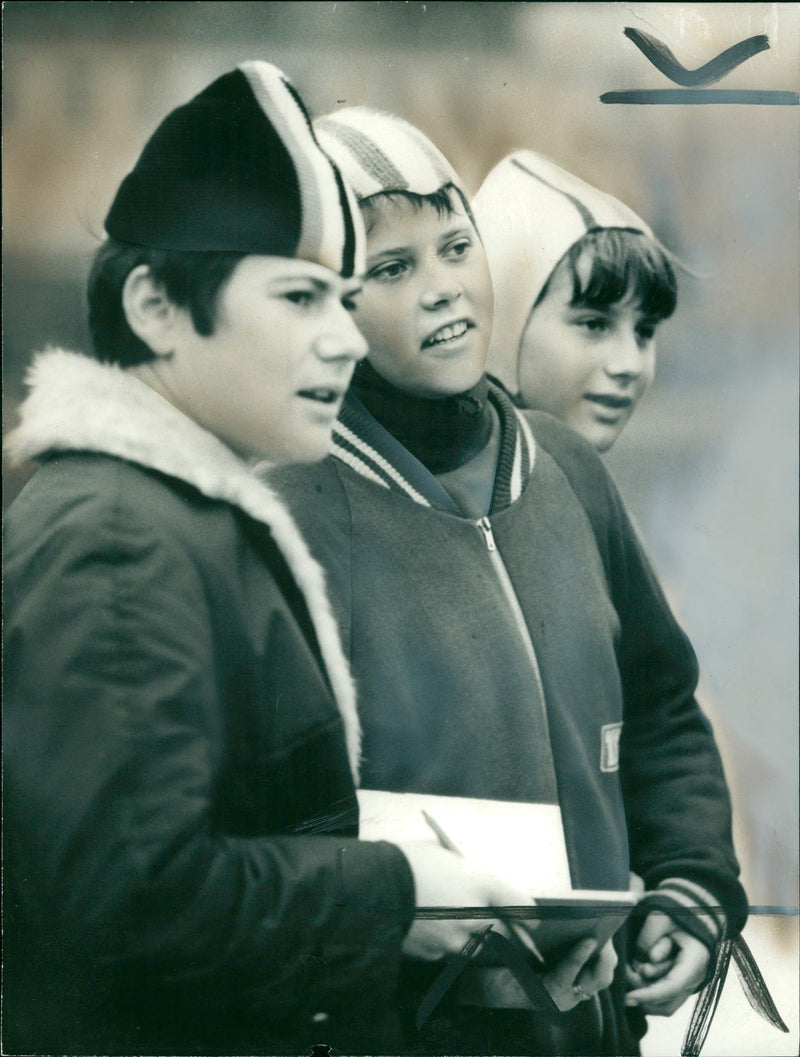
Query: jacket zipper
x=485 y=527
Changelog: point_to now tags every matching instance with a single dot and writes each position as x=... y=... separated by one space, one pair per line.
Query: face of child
x=589 y=367
x=426 y=305
x=271 y=378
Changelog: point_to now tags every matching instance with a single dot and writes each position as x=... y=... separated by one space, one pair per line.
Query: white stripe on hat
x=323 y=230
x=379 y=152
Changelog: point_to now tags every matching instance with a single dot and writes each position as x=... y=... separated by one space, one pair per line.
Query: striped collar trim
x=360 y=442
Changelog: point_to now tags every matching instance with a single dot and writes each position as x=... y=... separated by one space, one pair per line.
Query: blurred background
x=708 y=466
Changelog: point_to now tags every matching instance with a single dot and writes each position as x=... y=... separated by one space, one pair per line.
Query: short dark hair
x=622 y=260
x=441 y=200
x=189 y=279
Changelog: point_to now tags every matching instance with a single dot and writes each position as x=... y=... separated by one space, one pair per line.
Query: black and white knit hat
x=379 y=153
x=238 y=168
x=529 y=212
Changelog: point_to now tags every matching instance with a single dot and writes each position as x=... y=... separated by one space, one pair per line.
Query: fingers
x=656 y=926
x=635 y=884
x=656 y=964
x=658 y=1007
x=443 y=880
x=573 y=962
x=500 y=895
x=562 y=983
x=684 y=976
x=598 y=972
x=432 y=939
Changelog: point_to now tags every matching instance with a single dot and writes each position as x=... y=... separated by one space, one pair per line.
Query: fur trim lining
x=78 y=403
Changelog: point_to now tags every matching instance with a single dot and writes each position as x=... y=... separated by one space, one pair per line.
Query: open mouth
x=321 y=395
x=448 y=333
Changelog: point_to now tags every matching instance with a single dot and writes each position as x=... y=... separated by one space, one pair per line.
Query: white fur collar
x=78 y=403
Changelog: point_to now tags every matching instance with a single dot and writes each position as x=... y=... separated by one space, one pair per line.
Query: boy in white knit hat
x=507 y=634
x=581 y=285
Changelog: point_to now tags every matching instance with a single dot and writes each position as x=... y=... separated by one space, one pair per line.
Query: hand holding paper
x=444 y=879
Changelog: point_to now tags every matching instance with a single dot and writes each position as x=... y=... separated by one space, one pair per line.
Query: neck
x=441 y=433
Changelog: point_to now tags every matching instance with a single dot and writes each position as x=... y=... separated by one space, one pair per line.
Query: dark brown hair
x=190 y=280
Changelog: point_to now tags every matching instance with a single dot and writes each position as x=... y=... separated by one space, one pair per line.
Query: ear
x=151 y=315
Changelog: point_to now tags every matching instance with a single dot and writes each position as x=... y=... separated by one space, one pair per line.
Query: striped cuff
x=690 y=906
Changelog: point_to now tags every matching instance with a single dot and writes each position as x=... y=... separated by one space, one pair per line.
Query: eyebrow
x=466 y=228
x=458 y=229
x=392 y=251
x=345 y=288
x=299 y=277
x=611 y=308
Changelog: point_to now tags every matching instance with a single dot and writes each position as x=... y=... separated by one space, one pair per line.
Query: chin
x=313 y=449
x=603 y=443
x=458 y=384
x=302 y=450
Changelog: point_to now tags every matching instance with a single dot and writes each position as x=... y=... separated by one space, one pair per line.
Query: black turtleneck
x=444 y=433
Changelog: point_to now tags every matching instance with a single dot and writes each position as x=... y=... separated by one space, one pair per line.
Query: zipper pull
x=486 y=528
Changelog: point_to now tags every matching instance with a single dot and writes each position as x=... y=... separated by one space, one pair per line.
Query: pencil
x=441 y=836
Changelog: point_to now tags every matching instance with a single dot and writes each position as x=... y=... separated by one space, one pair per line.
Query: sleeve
x=677 y=803
x=112 y=745
x=676 y=797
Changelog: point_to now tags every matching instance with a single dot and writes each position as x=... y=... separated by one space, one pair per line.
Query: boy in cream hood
x=581 y=285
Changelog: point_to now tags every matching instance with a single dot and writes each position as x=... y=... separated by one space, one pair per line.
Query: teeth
x=454 y=330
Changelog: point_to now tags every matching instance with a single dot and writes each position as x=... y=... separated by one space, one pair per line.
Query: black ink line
x=701 y=97
x=509 y=951
x=756 y=985
x=587 y=909
x=663 y=59
x=777 y=911
x=448 y=976
x=524 y=913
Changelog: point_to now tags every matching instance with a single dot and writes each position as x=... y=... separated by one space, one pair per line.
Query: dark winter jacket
x=181 y=745
x=472 y=641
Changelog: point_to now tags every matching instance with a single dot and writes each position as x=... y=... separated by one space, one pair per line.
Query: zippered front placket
x=547 y=762
x=485 y=527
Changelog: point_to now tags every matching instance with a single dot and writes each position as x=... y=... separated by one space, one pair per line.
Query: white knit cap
x=529 y=212
x=379 y=153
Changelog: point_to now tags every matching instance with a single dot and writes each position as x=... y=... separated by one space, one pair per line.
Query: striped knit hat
x=379 y=153
x=238 y=168
x=529 y=212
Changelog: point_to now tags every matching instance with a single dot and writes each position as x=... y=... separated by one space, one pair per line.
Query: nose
x=440 y=287
x=342 y=340
x=624 y=358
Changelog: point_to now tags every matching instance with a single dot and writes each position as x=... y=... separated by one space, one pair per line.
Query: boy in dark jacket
x=506 y=630
x=181 y=740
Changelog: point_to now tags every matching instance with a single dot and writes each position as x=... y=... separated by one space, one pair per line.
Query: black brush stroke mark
x=662 y=58
x=512 y=953
x=448 y=976
x=701 y=97
x=754 y=985
x=527 y=912
x=518 y=959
